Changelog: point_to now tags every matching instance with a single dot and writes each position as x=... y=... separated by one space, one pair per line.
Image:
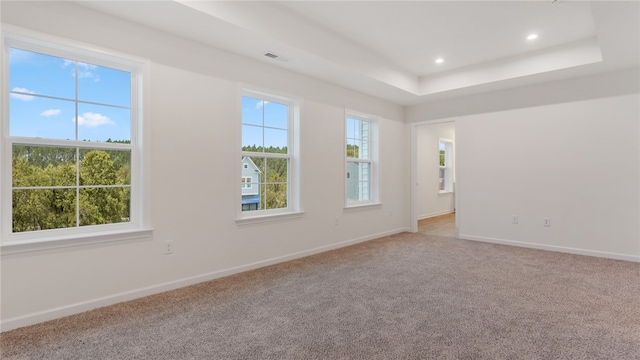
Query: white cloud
x=90 y=119
x=87 y=66
x=88 y=75
x=23 y=97
x=85 y=71
x=51 y=112
x=260 y=104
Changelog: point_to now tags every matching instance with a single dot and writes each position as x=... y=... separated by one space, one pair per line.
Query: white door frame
x=414 y=173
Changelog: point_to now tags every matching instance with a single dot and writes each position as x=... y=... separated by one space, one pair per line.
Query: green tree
x=37 y=205
x=100 y=205
x=46 y=208
x=353 y=151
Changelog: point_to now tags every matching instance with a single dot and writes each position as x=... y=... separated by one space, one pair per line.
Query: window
x=361 y=160
x=70 y=142
x=445 y=180
x=268 y=154
x=246 y=182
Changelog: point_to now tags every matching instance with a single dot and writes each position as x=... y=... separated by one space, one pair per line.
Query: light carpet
x=407 y=296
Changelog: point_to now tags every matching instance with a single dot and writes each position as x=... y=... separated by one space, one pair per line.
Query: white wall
x=192 y=115
x=573 y=158
x=430 y=202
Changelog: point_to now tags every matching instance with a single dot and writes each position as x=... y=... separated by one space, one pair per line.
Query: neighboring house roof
x=251 y=163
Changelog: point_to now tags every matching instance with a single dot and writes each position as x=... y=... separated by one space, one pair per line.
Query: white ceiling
x=387 y=49
x=412 y=35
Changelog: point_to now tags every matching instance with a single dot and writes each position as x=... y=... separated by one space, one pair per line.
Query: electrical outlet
x=514 y=219
x=546 y=222
x=168 y=248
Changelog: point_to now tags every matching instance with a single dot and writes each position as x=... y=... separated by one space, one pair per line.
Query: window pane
x=351 y=128
x=103 y=123
x=252 y=170
x=276 y=115
x=252 y=138
x=104 y=85
x=277 y=170
x=105 y=167
x=356 y=129
x=42 y=117
x=36 y=73
x=358 y=191
x=104 y=205
x=358 y=181
x=43 y=209
x=276 y=196
x=252 y=111
x=358 y=139
x=275 y=141
x=43 y=166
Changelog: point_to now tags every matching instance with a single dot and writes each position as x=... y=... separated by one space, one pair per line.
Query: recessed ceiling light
x=532 y=37
x=439 y=61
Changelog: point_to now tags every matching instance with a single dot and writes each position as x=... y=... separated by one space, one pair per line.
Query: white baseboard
x=426 y=216
x=602 y=254
x=56 y=313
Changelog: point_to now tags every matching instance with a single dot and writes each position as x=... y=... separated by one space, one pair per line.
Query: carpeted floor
x=409 y=296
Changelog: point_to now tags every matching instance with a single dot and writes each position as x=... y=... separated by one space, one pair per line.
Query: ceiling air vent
x=275 y=56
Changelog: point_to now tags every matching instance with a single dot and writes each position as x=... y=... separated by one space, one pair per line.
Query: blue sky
x=34 y=78
x=264 y=123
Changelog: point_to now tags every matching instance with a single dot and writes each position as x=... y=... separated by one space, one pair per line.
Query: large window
x=361 y=160
x=268 y=155
x=70 y=141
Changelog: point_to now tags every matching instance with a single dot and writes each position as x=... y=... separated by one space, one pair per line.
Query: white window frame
x=448 y=165
x=373 y=160
x=294 y=204
x=139 y=224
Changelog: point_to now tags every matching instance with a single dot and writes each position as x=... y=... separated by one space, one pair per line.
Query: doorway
x=434 y=184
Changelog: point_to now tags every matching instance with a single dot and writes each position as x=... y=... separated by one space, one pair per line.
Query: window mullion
x=359 y=160
x=265 y=155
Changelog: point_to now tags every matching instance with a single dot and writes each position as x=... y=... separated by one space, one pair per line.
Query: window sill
x=57 y=242
x=269 y=218
x=445 y=192
x=362 y=206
